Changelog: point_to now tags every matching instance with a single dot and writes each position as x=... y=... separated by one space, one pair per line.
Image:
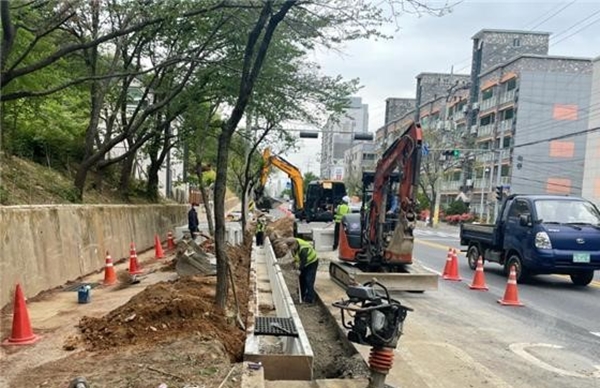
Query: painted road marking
x=519 y=349
x=596 y=333
x=594 y=283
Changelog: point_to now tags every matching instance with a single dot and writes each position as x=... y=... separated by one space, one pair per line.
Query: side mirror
x=525 y=220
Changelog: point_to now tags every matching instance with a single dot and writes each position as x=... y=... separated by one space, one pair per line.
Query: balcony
x=508 y=96
x=485 y=130
x=487 y=104
x=451 y=185
x=505 y=126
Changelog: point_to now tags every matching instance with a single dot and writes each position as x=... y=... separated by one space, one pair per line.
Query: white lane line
x=520 y=350
x=438 y=273
x=596 y=333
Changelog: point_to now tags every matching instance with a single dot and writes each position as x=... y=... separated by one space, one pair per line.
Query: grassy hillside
x=23 y=182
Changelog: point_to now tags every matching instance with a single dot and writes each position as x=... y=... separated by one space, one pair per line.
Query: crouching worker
x=261 y=224
x=306 y=261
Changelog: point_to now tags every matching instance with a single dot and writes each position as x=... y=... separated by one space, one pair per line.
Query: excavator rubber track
x=415 y=277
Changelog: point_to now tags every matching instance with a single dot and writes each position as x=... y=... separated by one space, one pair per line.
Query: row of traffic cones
x=22 y=333
x=511 y=294
x=110 y=276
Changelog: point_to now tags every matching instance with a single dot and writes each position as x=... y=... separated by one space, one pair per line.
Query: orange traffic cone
x=158 y=251
x=511 y=295
x=134 y=265
x=479 y=278
x=110 y=276
x=21 y=334
x=448 y=263
x=170 y=241
x=453 y=270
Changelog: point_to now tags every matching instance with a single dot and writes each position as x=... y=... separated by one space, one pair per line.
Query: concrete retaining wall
x=43 y=247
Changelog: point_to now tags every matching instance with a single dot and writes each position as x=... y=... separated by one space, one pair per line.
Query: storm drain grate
x=76 y=286
x=275 y=326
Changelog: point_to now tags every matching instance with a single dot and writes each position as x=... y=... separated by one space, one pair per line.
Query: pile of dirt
x=281 y=228
x=278 y=231
x=176 y=309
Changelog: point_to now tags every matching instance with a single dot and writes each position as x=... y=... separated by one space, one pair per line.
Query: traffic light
x=454 y=153
x=499 y=192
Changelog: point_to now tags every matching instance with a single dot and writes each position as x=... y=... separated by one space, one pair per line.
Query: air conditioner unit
x=465 y=109
x=475 y=105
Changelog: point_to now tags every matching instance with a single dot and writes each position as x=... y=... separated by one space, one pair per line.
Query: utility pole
x=501 y=142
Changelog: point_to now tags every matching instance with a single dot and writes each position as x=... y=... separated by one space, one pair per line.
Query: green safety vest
x=260 y=226
x=305 y=245
x=341 y=210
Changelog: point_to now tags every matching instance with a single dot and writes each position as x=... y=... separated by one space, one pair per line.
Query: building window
x=516 y=42
x=508 y=114
x=487 y=120
x=487 y=94
x=511 y=84
x=506 y=142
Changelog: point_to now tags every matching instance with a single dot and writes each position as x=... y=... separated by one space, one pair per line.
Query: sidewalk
x=441 y=226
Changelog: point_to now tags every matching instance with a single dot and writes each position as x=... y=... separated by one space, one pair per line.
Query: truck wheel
x=472 y=257
x=582 y=278
x=515 y=260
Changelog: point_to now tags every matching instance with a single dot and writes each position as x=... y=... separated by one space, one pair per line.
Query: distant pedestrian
x=193 y=222
x=261 y=224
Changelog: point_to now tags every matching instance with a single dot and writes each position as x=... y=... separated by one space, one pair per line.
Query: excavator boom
x=404 y=155
x=292 y=171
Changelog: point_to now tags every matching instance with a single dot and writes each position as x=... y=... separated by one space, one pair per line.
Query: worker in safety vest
x=342 y=209
x=261 y=225
x=306 y=261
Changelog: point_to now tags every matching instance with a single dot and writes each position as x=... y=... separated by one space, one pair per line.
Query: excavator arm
x=292 y=171
x=403 y=155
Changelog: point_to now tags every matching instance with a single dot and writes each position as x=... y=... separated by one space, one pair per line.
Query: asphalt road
x=554 y=341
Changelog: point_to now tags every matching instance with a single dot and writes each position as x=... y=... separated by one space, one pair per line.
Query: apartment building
x=525 y=108
x=357 y=159
x=591 y=169
x=338 y=135
x=395 y=108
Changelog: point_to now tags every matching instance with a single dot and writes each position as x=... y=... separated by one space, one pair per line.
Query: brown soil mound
x=283 y=227
x=175 y=309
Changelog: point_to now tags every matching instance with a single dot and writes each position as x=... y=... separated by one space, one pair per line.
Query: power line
x=554 y=14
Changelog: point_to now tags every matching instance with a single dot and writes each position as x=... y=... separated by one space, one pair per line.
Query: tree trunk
x=152 y=185
x=220 y=188
x=126 y=172
x=207 y=209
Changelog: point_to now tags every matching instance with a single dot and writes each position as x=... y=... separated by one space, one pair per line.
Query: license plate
x=581 y=258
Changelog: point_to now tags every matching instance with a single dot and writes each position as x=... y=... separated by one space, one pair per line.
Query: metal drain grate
x=275 y=326
x=76 y=286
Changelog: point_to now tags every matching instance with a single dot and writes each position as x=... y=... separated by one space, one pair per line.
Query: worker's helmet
x=346 y=199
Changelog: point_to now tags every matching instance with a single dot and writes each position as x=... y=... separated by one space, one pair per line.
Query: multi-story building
x=591 y=171
x=386 y=134
x=338 y=134
x=434 y=86
x=528 y=107
x=357 y=159
x=395 y=108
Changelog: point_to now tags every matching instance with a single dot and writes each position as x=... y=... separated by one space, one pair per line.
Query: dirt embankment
x=169 y=333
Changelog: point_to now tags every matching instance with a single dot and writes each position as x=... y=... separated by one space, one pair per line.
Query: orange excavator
x=380 y=238
x=293 y=173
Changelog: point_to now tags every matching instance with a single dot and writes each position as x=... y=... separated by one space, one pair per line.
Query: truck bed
x=481 y=233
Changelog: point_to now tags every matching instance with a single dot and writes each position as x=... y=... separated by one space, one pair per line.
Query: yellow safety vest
x=260 y=226
x=341 y=210
x=312 y=254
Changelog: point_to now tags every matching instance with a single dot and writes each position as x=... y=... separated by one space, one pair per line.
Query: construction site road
x=553 y=341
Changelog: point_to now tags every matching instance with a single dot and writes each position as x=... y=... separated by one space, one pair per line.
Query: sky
x=387 y=68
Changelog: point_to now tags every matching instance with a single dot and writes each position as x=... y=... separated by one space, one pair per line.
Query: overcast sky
x=437 y=44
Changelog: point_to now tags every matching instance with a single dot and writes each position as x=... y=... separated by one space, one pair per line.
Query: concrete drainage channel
x=315 y=347
x=275 y=334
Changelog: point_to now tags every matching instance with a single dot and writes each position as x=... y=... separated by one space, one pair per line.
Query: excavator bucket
x=400 y=247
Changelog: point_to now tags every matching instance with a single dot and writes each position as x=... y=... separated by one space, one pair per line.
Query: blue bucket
x=84 y=294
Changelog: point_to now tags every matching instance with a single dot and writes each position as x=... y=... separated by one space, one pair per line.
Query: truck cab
x=540 y=234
